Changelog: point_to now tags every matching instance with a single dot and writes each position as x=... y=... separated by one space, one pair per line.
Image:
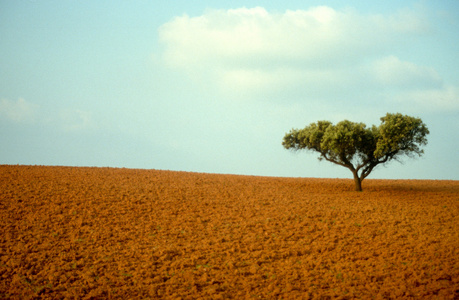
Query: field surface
x=105 y=233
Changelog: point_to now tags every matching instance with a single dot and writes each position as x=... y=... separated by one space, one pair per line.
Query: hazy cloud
x=391 y=71
x=444 y=99
x=75 y=119
x=64 y=119
x=18 y=111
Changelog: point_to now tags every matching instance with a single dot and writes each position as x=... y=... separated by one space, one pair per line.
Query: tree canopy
x=358 y=147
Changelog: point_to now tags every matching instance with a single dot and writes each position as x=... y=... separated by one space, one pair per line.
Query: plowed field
x=101 y=233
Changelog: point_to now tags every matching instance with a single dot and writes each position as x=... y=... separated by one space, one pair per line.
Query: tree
x=358 y=148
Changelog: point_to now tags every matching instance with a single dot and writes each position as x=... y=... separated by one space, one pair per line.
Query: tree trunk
x=358 y=182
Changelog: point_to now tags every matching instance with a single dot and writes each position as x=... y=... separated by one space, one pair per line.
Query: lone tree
x=358 y=148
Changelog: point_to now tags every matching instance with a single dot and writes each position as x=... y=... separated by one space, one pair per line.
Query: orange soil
x=122 y=233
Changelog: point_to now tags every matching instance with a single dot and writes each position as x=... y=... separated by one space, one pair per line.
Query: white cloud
x=18 y=111
x=252 y=50
x=315 y=37
x=320 y=53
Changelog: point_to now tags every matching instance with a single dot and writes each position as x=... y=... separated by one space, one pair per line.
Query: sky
x=213 y=86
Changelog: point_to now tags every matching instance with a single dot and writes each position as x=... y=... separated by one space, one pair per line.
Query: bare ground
x=101 y=233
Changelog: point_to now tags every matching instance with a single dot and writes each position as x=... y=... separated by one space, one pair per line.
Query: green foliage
x=358 y=148
x=401 y=135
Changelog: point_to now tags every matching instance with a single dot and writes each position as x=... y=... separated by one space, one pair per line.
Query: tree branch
x=372 y=164
x=349 y=166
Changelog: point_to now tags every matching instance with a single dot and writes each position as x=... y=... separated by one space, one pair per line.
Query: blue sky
x=213 y=86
